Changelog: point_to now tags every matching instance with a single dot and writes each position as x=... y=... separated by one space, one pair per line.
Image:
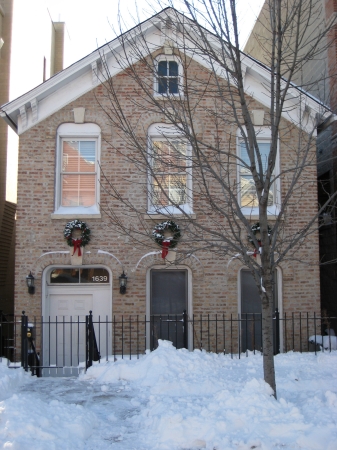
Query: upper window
x=247 y=192
x=77 y=169
x=168 y=75
x=247 y=186
x=169 y=171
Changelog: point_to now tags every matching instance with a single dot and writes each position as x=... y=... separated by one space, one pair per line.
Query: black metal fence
x=59 y=346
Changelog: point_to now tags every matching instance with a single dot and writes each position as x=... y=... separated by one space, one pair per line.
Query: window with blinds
x=78 y=174
x=77 y=169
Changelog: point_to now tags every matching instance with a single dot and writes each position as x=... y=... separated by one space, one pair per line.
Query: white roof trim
x=81 y=77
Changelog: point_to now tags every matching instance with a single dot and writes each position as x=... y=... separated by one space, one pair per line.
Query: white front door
x=70 y=294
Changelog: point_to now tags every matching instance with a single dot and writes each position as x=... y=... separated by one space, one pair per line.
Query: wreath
x=256 y=229
x=169 y=241
x=77 y=243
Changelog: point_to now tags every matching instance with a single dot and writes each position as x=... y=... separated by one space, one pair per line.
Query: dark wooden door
x=251 y=309
x=168 y=303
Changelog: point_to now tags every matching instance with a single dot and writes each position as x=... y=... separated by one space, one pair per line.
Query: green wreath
x=255 y=228
x=77 y=225
x=160 y=228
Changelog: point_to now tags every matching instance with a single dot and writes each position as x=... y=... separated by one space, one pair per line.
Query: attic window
x=168 y=75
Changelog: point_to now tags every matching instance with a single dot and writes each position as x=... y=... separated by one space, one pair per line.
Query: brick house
x=65 y=137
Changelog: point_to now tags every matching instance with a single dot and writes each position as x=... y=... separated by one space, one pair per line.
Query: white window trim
x=76 y=131
x=180 y=93
x=166 y=131
x=263 y=134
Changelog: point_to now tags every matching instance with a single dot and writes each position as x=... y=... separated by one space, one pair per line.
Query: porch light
x=123 y=279
x=30 y=283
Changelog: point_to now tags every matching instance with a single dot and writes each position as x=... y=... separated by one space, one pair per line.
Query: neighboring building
x=65 y=137
x=44 y=61
x=7 y=209
x=318 y=77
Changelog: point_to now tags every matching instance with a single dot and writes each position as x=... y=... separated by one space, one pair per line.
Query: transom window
x=75 y=275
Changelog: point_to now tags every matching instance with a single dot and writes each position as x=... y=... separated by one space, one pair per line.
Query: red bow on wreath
x=165 y=248
x=257 y=251
x=77 y=246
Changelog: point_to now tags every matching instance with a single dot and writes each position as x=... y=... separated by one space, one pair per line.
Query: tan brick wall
x=215 y=287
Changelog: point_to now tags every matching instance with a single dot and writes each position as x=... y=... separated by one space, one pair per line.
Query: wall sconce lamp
x=30 y=283
x=123 y=279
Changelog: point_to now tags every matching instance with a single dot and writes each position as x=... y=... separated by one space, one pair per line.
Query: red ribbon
x=165 y=248
x=257 y=251
x=77 y=246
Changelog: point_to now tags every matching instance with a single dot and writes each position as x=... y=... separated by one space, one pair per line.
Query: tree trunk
x=268 y=342
x=267 y=300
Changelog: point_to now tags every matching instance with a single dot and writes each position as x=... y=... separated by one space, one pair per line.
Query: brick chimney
x=57 y=48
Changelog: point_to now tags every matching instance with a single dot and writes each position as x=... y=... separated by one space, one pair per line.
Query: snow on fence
x=66 y=345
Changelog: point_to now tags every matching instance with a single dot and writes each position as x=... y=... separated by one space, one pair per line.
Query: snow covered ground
x=174 y=399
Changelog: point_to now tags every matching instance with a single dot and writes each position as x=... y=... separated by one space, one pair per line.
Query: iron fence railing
x=66 y=345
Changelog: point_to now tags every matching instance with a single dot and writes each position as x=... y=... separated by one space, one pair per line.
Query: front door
x=168 y=304
x=251 y=311
x=71 y=293
x=65 y=344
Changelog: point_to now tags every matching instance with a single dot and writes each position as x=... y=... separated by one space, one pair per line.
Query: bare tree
x=226 y=183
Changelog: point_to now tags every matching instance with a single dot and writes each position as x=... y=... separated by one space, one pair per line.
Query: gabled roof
x=81 y=77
